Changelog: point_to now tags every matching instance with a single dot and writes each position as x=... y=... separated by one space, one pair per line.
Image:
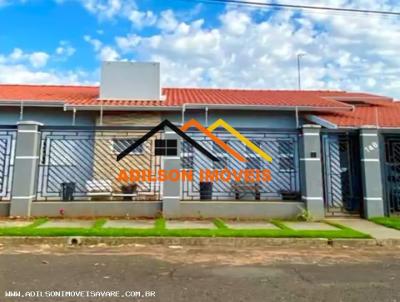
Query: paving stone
x=367 y=227
x=250 y=225
x=134 y=224
x=13 y=224
x=190 y=225
x=67 y=224
x=310 y=226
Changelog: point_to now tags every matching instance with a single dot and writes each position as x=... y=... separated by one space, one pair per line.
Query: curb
x=202 y=241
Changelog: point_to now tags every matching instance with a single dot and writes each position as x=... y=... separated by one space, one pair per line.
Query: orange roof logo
x=222 y=124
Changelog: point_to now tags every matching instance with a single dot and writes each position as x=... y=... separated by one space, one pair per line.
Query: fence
x=392 y=173
x=84 y=161
x=281 y=146
x=342 y=176
x=7 y=149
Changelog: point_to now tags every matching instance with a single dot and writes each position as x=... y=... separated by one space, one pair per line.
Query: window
x=120 y=144
x=166 y=147
x=286 y=155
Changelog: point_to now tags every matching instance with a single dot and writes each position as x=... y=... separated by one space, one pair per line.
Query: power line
x=304 y=7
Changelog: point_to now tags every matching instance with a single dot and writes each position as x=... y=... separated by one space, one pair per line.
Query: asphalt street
x=175 y=273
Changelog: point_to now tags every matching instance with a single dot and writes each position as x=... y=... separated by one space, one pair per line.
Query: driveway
x=175 y=273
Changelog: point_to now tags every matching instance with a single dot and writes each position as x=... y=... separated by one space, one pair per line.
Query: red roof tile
x=382 y=111
x=88 y=95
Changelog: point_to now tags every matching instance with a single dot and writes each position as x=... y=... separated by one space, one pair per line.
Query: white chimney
x=130 y=81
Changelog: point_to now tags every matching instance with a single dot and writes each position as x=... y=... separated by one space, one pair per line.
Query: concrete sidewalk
x=377 y=231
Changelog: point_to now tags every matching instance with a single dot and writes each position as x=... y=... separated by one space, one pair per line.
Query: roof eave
x=31 y=103
x=209 y=106
x=58 y=103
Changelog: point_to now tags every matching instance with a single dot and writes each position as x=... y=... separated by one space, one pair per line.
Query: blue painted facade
x=70 y=157
x=239 y=118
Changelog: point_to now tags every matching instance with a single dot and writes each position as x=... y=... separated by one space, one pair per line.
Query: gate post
x=26 y=160
x=371 y=172
x=171 y=200
x=311 y=171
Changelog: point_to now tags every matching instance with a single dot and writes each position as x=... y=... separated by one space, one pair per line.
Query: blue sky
x=198 y=44
x=42 y=24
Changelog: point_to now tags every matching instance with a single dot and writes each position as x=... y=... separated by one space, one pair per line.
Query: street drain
x=74 y=241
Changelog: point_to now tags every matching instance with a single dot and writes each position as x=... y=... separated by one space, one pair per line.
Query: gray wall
x=99 y=209
x=47 y=116
x=130 y=81
x=243 y=210
x=239 y=119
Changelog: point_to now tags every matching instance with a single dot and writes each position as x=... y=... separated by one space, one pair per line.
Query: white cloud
x=106 y=9
x=108 y=53
x=167 y=21
x=20 y=66
x=104 y=52
x=251 y=47
x=35 y=59
x=343 y=51
x=38 y=59
x=65 y=49
x=94 y=42
x=20 y=73
x=141 y=19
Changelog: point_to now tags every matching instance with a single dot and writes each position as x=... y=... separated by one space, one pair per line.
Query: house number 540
x=371 y=147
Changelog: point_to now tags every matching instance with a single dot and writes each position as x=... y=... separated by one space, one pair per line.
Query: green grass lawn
x=159 y=230
x=390 y=222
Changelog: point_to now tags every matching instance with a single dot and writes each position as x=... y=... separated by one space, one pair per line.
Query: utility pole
x=299 y=56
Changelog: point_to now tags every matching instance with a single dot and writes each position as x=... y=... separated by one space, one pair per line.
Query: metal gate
x=392 y=174
x=85 y=161
x=282 y=146
x=342 y=174
x=7 y=149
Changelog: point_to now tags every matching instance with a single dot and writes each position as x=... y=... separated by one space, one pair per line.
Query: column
x=26 y=163
x=311 y=171
x=371 y=172
x=172 y=189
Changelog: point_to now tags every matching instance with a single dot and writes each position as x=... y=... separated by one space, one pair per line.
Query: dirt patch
x=218 y=254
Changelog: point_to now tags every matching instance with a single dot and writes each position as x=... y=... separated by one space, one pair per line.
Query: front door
x=342 y=175
x=392 y=174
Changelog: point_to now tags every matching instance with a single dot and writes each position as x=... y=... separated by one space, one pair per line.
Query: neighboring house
x=333 y=152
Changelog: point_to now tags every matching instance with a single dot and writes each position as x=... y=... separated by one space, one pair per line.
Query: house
x=331 y=152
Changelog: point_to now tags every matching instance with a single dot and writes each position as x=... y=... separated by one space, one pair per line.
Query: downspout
x=183 y=113
x=21 y=111
x=206 y=116
x=73 y=116
x=297 y=117
x=101 y=113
